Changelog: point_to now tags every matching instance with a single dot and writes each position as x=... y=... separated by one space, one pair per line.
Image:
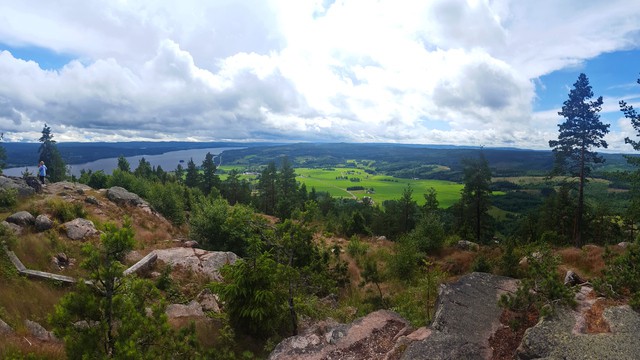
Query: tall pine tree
x=56 y=168
x=209 y=178
x=476 y=198
x=581 y=131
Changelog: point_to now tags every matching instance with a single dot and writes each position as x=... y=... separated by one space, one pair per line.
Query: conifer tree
x=123 y=164
x=475 y=197
x=192 y=179
x=56 y=168
x=209 y=178
x=581 y=131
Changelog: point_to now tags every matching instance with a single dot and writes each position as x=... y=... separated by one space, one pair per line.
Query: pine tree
x=192 y=179
x=123 y=164
x=581 y=131
x=209 y=178
x=56 y=168
x=475 y=197
x=268 y=188
x=144 y=169
x=117 y=316
x=287 y=190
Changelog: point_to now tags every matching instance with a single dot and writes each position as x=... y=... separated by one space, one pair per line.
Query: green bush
x=621 y=276
x=65 y=211
x=481 y=264
x=8 y=198
x=541 y=287
x=356 y=248
x=168 y=200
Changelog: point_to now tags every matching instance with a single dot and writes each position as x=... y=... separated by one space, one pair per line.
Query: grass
x=385 y=187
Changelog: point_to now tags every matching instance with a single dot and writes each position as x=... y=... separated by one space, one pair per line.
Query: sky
x=463 y=72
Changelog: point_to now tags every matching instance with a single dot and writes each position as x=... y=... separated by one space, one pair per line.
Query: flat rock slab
x=371 y=337
x=192 y=309
x=466 y=317
x=555 y=338
x=198 y=260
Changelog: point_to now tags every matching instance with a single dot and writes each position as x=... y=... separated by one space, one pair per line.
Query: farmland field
x=337 y=180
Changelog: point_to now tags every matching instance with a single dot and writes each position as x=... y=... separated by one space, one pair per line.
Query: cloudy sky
x=465 y=72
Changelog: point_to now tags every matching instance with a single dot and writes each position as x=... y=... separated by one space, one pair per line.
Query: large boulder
x=192 y=309
x=23 y=187
x=80 y=229
x=5 y=328
x=198 y=260
x=16 y=229
x=43 y=223
x=38 y=331
x=371 y=337
x=122 y=196
x=467 y=315
x=21 y=218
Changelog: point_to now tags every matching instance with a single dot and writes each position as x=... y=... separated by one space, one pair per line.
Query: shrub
x=98 y=180
x=481 y=264
x=168 y=200
x=8 y=198
x=541 y=287
x=356 y=248
x=65 y=211
x=621 y=277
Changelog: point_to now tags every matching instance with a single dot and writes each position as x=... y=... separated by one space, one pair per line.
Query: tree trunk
x=578 y=232
x=478 y=217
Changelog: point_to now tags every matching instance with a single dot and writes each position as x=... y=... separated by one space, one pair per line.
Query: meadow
x=336 y=182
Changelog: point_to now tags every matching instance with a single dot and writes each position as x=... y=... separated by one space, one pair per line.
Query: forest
x=300 y=245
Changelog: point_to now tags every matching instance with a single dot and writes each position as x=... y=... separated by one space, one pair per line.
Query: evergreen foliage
x=109 y=317
x=123 y=164
x=541 y=287
x=209 y=179
x=581 y=131
x=475 y=200
x=48 y=152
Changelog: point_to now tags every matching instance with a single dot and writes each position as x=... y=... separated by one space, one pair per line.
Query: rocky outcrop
x=79 y=229
x=122 y=196
x=22 y=218
x=5 y=328
x=192 y=309
x=38 y=331
x=16 y=229
x=580 y=334
x=467 y=245
x=43 y=223
x=92 y=200
x=467 y=315
x=24 y=187
x=209 y=301
x=197 y=260
x=371 y=337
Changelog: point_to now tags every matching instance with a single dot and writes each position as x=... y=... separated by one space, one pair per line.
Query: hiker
x=42 y=171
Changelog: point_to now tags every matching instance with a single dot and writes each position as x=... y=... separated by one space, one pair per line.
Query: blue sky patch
x=47 y=59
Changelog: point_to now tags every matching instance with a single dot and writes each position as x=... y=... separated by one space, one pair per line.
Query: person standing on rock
x=42 y=171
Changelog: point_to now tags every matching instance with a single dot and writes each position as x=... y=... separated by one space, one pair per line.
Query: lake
x=168 y=161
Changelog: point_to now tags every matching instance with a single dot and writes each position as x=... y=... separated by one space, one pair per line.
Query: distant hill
x=25 y=154
x=409 y=161
x=402 y=160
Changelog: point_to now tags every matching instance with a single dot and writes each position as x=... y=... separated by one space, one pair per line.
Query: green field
x=337 y=180
x=384 y=187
